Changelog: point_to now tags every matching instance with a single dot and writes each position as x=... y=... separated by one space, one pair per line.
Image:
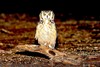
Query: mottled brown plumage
x=46 y=33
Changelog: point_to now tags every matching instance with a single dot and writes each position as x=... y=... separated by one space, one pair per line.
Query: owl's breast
x=47 y=32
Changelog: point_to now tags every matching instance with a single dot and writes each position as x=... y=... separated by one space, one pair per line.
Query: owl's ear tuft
x=40 y=15
x=52 y=15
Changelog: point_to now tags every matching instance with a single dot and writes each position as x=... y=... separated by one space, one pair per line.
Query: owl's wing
x=54 y=30
x=38 y=28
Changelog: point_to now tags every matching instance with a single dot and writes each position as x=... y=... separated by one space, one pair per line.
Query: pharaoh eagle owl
x=46 y=33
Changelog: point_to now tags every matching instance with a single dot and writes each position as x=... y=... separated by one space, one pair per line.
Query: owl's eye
x=44 y=14
x=49 y=14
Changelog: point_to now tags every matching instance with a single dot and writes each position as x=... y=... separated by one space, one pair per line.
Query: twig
x=6 y=31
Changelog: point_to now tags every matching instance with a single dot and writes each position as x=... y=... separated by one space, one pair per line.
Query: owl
x=46 y=33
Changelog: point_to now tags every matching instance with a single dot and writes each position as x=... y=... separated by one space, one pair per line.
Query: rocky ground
x=80 y=37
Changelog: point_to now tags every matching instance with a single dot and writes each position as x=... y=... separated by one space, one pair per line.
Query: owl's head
x=47 y=15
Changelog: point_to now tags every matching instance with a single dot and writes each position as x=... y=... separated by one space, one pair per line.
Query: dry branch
x=54 y=55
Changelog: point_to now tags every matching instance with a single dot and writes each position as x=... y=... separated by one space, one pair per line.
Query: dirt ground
x=80 y=37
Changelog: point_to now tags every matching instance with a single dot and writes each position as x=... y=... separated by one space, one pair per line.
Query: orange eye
x=44 y=14
x=49 y=14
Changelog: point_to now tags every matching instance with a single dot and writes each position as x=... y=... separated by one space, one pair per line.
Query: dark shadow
x=35 y=54
x=36 y=42
x=56 y=43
